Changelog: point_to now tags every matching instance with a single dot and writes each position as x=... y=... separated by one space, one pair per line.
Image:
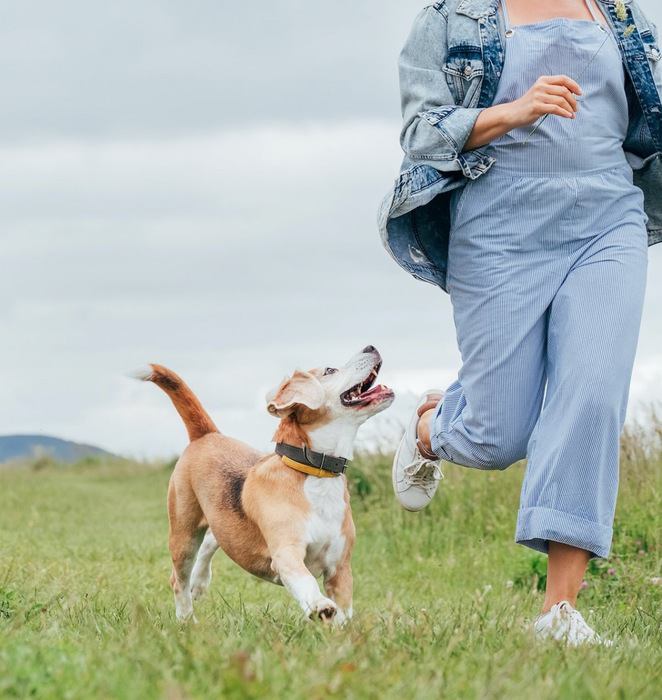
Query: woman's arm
x=551 y=94
x=436 y=130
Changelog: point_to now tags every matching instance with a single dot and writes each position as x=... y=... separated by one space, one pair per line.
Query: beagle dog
x=284 y=517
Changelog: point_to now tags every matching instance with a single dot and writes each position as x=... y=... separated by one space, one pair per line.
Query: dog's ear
x=301 y=389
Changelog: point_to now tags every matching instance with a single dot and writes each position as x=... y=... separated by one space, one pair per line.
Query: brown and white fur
x=277 y=523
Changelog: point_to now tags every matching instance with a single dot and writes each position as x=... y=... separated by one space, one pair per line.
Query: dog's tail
x=197 y=421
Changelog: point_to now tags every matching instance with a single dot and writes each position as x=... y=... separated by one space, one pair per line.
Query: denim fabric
x=450 y=69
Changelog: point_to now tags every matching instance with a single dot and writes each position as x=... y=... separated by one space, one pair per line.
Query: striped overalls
x=546 y=272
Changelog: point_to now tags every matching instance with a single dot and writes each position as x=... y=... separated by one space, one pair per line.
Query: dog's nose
x=369 y=348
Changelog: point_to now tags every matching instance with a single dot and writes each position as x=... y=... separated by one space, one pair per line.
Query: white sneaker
x=565 y=624
x=416 y=472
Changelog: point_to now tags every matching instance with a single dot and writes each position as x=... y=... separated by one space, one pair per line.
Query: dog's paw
x=342 y=617
x=186 y=618
x=324 y=610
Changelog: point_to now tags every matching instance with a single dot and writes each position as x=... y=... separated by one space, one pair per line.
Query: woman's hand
x=550 y=94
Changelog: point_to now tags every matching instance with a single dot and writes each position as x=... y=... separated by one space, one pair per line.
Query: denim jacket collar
x=477 y=8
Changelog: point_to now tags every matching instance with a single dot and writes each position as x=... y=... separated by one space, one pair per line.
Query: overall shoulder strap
x=595 y=13
x=506 y=16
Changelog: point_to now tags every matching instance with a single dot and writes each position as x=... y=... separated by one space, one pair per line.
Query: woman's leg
x=571 y=483
x=424 y=426
x=502 y=278
x=566 y=567
x=487 y=415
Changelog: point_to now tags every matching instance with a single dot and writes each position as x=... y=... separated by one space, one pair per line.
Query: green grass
x=442 y=598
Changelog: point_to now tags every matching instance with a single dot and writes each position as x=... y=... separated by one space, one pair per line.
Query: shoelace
x=577 y=619
x=422 y=472
x=578 y=625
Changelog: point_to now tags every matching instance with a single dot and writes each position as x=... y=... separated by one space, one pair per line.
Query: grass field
x=442 y=598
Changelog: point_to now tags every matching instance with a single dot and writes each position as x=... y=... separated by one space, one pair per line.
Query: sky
x=196 y=184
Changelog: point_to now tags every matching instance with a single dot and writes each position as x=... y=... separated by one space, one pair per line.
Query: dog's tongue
x=374 y=390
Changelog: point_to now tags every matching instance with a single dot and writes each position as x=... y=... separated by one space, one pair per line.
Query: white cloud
x=210 y=254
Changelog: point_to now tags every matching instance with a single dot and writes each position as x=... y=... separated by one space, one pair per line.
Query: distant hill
x=27 y=446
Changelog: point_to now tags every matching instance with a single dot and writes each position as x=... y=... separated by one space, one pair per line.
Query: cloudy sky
x=196 y=184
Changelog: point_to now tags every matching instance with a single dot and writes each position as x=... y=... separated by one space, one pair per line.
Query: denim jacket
x=449 y=71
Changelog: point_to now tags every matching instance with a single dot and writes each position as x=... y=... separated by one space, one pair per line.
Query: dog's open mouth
x=364 y=392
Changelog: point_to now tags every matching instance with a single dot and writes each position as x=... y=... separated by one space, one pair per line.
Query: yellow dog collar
x=306 y=469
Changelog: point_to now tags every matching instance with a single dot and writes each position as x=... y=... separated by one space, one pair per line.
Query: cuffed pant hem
x=537 y=526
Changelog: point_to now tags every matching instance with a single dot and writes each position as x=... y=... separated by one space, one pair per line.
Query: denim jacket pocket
x=464 y=75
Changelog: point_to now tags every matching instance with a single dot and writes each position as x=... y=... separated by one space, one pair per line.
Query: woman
x=531 y=187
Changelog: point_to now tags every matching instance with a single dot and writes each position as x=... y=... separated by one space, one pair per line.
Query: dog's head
x=345 y=396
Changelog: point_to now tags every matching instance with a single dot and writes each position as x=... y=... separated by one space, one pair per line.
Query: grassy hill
x=443 y=598
x=21 y=447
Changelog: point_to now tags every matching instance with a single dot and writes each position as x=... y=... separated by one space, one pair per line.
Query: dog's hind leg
x=338 y=582
x=186 y=534
x=183 y=549
x=201 y=576
x=339 y=588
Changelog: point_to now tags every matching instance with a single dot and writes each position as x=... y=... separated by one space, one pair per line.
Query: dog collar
x=309 y=462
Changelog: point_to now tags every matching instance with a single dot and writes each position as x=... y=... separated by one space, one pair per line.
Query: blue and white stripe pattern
x=547 y=274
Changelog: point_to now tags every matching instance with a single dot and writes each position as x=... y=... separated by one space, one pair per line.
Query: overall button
x=467 y=71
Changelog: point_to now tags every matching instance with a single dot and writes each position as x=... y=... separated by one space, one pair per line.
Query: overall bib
x=547 y=272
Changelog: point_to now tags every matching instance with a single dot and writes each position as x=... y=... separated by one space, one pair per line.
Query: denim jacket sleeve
x=435 y=129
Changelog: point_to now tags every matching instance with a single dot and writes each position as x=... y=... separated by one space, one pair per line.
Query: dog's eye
x=330 y=370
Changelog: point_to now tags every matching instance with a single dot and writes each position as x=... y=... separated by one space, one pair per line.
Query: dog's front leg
x=339 y=587
x=288 y=563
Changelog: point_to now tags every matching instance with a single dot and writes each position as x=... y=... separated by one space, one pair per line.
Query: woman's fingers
x=563 y=80
x=566 y=94
x=550 y=94
x=559 y=102
x=559 y=91
x=551 y=108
